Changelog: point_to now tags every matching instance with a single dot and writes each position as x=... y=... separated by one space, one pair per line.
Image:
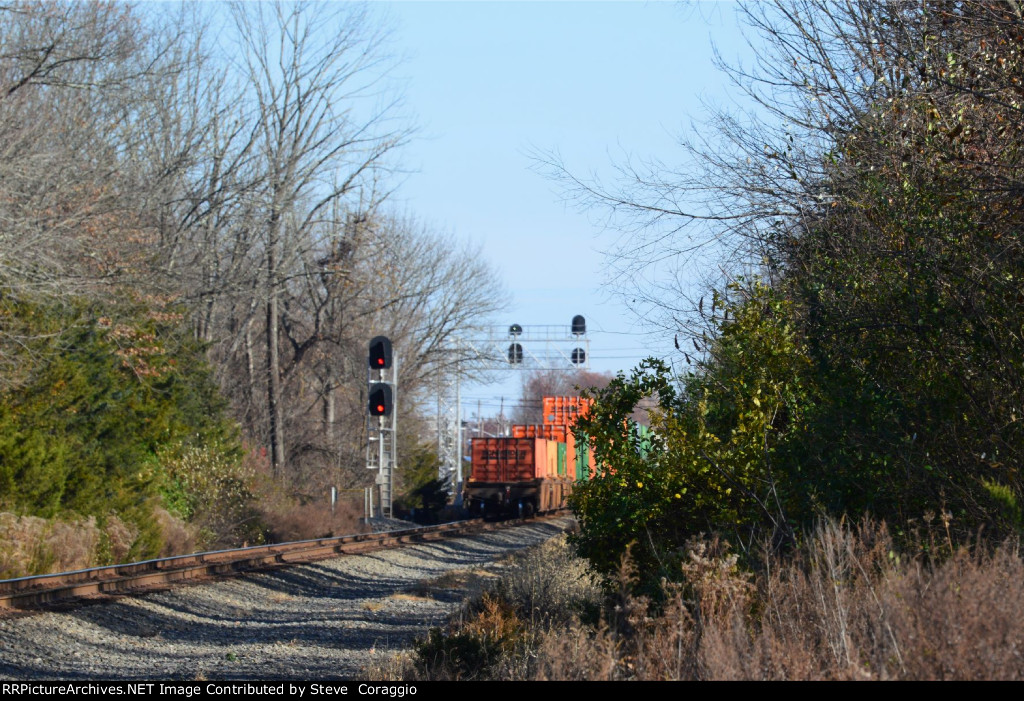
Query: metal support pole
x=457 y=486
x=382 y=457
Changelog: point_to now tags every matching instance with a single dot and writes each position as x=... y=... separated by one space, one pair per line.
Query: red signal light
x=381 y=399
x=380 y=352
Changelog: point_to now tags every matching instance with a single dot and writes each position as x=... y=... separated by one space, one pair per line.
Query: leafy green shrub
x=209 y=486
x=789 y=418
x=718 y=460
x=103 y=390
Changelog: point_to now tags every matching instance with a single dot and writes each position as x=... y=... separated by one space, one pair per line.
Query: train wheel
x=490 y=510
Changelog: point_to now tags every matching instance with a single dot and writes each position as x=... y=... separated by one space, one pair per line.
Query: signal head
x=380 y=353
x=381 y=401
x=515 y=353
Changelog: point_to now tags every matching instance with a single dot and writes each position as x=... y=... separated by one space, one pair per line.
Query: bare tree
x=239 y=181
x=744 y=180
x=65 y=71
x=314 y=72
x=77 y=87
x=386 y=275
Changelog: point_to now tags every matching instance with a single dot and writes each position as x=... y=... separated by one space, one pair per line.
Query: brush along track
x=26 y=593
x=318 y=621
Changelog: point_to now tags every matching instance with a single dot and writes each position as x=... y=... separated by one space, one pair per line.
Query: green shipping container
x=582 y=461
x=644 y=439
x=561 y=459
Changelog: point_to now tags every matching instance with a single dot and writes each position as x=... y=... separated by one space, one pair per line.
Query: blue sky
x=492 y=82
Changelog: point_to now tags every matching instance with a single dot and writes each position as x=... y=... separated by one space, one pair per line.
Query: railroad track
x=98 y=583
x=329 y=619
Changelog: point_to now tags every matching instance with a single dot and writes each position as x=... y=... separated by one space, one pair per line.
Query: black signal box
x=381 y=399
x=380 y=353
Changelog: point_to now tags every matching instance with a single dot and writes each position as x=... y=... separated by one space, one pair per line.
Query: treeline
x=868 y=356
x=194 y=252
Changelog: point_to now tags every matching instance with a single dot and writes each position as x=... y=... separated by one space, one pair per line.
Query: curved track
x=27 y=593
x=323 y=620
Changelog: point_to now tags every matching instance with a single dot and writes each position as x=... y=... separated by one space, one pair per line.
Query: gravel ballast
x=326 y=620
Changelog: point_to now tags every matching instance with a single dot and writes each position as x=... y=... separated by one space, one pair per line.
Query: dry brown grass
x=288 y=521
x=849 y=607
x=470 y=583
x=31 y=545
x=497 y=633
x=179 y=538
x=845 y=606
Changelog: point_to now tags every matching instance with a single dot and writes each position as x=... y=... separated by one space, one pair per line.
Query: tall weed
x=845 y=605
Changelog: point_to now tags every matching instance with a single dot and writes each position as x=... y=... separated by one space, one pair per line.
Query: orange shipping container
x=563 y=411
x=541 y=469
x=551 y=459
x=510 y=459
x=561 y=434
x=553 y=433
x=570 y=455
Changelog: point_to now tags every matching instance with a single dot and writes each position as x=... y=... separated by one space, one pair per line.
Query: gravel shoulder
x=326 y=620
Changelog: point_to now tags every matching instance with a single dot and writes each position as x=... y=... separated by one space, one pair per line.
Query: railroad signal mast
x=517 y=347
x=381 y=424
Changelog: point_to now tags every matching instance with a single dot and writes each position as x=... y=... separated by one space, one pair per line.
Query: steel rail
x=40 y=591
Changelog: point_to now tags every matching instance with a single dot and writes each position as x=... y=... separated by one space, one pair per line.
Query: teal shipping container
x=582 y=461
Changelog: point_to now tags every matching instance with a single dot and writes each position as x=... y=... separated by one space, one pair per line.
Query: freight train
x=533 y=470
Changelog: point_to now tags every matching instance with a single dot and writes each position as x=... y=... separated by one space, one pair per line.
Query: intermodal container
x=553 y=433
x=551 y=459
x=570 y=455
x=586 y=466
x=543 y=449
x=563 y=411
x=644 y=440
x=511 y=459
